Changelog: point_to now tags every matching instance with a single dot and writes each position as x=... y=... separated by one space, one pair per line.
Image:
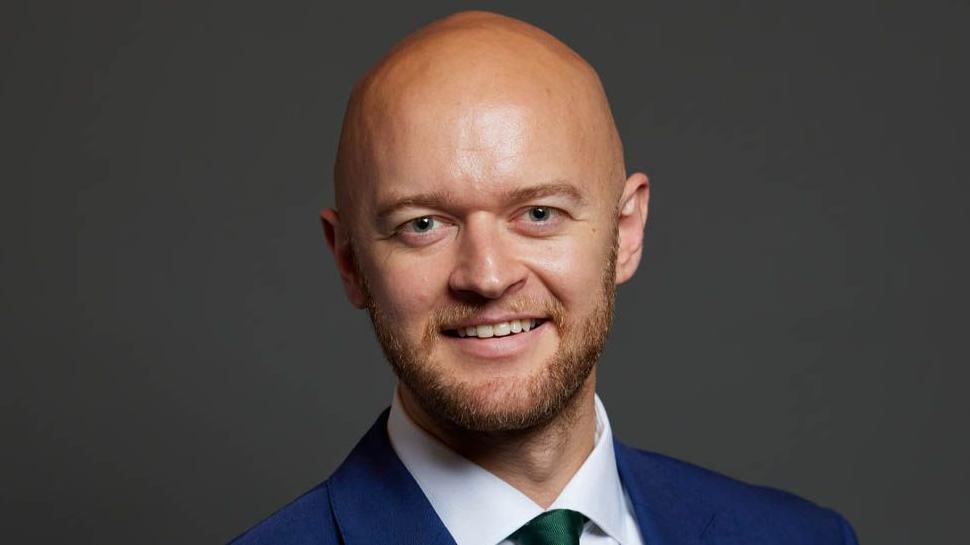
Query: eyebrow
x=555 y=189
x=436 y=199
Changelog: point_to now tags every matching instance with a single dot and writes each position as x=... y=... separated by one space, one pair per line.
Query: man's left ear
x=630 y=224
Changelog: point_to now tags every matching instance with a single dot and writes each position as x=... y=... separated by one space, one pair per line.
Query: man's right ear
x=343 y=254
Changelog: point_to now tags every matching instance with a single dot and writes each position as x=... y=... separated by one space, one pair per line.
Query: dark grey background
x=177 y=356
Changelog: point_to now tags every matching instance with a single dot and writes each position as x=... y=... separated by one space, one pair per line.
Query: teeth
x=500 y=329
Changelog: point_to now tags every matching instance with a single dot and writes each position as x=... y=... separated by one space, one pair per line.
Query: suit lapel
x=669 y=510
x=376 y=500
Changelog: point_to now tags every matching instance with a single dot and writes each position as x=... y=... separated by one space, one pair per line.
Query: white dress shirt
x=478 y=508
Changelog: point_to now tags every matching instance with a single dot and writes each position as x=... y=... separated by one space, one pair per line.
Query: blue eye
x=540 y=213
x=422 y=224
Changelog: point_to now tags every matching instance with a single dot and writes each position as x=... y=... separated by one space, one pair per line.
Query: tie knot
x=556 y=527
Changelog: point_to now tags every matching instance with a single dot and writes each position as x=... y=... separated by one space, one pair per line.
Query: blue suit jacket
x=372 y=500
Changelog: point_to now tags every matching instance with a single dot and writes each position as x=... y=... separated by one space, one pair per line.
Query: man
x=484 y=217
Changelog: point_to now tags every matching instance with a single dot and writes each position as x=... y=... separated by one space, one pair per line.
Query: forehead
x=485 y=144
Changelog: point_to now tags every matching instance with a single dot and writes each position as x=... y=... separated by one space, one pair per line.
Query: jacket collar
x=375 y=499
x=670 y=509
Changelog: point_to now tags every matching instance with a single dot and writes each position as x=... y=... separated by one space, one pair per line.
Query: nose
x=486 y=266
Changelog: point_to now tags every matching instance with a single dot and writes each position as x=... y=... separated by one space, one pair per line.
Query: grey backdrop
x=177 y=356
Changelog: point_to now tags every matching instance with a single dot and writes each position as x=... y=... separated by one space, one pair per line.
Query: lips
x=495 y=343
x=495 y=329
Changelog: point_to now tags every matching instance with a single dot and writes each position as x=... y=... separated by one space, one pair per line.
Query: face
x=485 y=251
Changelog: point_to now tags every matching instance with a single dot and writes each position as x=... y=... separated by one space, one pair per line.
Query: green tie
x=556 y=527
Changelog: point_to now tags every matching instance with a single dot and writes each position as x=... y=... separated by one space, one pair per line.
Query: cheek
x=572 y=268
x=406 y=288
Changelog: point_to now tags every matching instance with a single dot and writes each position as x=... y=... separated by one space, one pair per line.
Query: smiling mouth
x=499 y=329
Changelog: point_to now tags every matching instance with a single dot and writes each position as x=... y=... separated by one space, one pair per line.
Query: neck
x=539 y=461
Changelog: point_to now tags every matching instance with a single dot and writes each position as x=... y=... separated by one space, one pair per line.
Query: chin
x=505 y=403
x=498 y=394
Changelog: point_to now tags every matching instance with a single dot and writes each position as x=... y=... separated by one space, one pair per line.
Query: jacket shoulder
x=739 y=512
x=306 y=520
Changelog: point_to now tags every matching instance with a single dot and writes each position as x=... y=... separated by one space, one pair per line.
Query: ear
x=343 y=253
x=630 y=224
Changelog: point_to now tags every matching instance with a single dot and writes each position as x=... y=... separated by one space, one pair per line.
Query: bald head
x=473 y=93
x=480 y=184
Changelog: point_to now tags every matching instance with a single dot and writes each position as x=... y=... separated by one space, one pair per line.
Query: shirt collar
x=496 y=508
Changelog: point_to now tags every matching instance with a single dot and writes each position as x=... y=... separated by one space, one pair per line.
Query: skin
x=472 y=122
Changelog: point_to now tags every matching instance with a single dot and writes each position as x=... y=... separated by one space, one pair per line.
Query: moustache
x=549 y=309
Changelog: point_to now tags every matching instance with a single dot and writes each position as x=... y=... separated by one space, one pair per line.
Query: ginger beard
x=500 y=406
